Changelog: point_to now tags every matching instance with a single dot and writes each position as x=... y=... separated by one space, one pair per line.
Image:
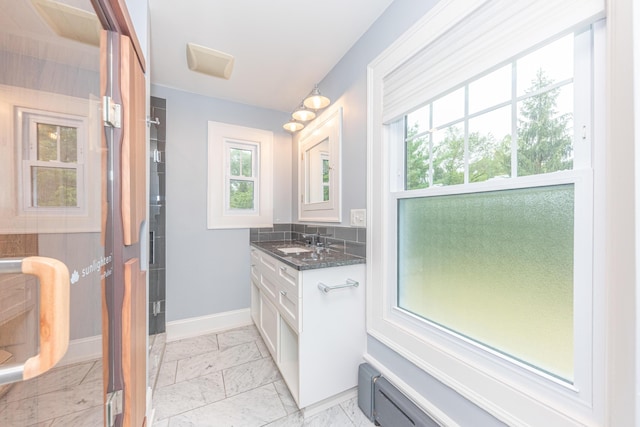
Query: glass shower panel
x=157 y=217
x=51 y=203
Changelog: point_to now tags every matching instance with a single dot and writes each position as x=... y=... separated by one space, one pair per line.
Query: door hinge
x=114 y=406
x=156 y=307
x=112 y=112
x=157 y=156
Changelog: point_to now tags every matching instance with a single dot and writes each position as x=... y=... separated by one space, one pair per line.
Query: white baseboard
x=329 y=402
x=194 y=326
x=83 y=349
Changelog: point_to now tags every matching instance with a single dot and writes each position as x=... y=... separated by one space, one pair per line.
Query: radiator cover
x=385 y=405
x=367 y=376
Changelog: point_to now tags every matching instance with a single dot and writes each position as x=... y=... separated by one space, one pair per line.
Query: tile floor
x=229 y=379
x=67 y=396
x=223 y=380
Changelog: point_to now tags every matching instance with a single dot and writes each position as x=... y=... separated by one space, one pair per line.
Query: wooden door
x=125 y=308
x=133 y=211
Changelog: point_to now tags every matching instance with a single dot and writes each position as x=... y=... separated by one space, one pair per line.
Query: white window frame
x=513 y=392
x=222 y=137
x=29 y=119
x=21 y=217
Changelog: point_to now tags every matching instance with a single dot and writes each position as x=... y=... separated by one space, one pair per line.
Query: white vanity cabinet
x=316 y=338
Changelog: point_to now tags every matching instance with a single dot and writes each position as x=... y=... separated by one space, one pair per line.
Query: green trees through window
x=544 y=133
x=544 y=141
x=241 y=189
x=56 y=184
x=325 y=179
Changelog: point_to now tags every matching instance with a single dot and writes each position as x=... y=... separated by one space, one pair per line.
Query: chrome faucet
x=314 y=239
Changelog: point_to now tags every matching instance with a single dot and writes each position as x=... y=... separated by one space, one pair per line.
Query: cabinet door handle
x=326 y=288
x=283 y=293
x=54 y=315
x=283 y=269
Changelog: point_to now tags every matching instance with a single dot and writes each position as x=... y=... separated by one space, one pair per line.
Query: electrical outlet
x=358 y=217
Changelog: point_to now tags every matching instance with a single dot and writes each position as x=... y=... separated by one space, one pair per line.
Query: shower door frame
x=124 y=334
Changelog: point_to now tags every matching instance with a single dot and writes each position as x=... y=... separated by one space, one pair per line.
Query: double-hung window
x=53 y=161
x=240 y=177
x=481 y=261
x=495 y=262
x=241 y=181
x=49 y=175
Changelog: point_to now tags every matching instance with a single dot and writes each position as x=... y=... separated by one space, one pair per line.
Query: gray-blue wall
x=208 y=270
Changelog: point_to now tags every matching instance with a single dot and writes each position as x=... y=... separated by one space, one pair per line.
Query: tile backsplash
x=351 y=240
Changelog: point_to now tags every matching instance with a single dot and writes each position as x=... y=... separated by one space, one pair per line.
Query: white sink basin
x=294 y=250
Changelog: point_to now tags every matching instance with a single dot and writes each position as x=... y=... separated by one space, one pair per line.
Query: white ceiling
x=281 y=47
x=25 y=32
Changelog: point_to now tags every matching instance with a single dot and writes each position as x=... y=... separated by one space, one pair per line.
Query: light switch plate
x=358 y=217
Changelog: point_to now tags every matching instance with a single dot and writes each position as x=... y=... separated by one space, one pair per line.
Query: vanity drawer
x=268 y=264
x=269 y=286
x=255 y=256
x=289 y=308
x=285 y=276
x=255 y=273
x=255 y=265
x=288 y=278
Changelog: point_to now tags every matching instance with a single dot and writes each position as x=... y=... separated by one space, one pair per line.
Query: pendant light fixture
x=315 y=100
x=293 y=125
x=303 y=114
x=307 y=110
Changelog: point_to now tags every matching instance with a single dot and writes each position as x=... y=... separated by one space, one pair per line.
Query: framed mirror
x=319 y=183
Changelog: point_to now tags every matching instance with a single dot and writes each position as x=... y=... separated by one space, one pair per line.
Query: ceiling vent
x=70 y=22
x=209 y=61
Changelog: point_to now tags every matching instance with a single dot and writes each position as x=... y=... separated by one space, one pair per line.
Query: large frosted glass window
x=496 y=267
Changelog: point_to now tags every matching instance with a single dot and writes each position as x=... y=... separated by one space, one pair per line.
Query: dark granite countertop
x=311 y=259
